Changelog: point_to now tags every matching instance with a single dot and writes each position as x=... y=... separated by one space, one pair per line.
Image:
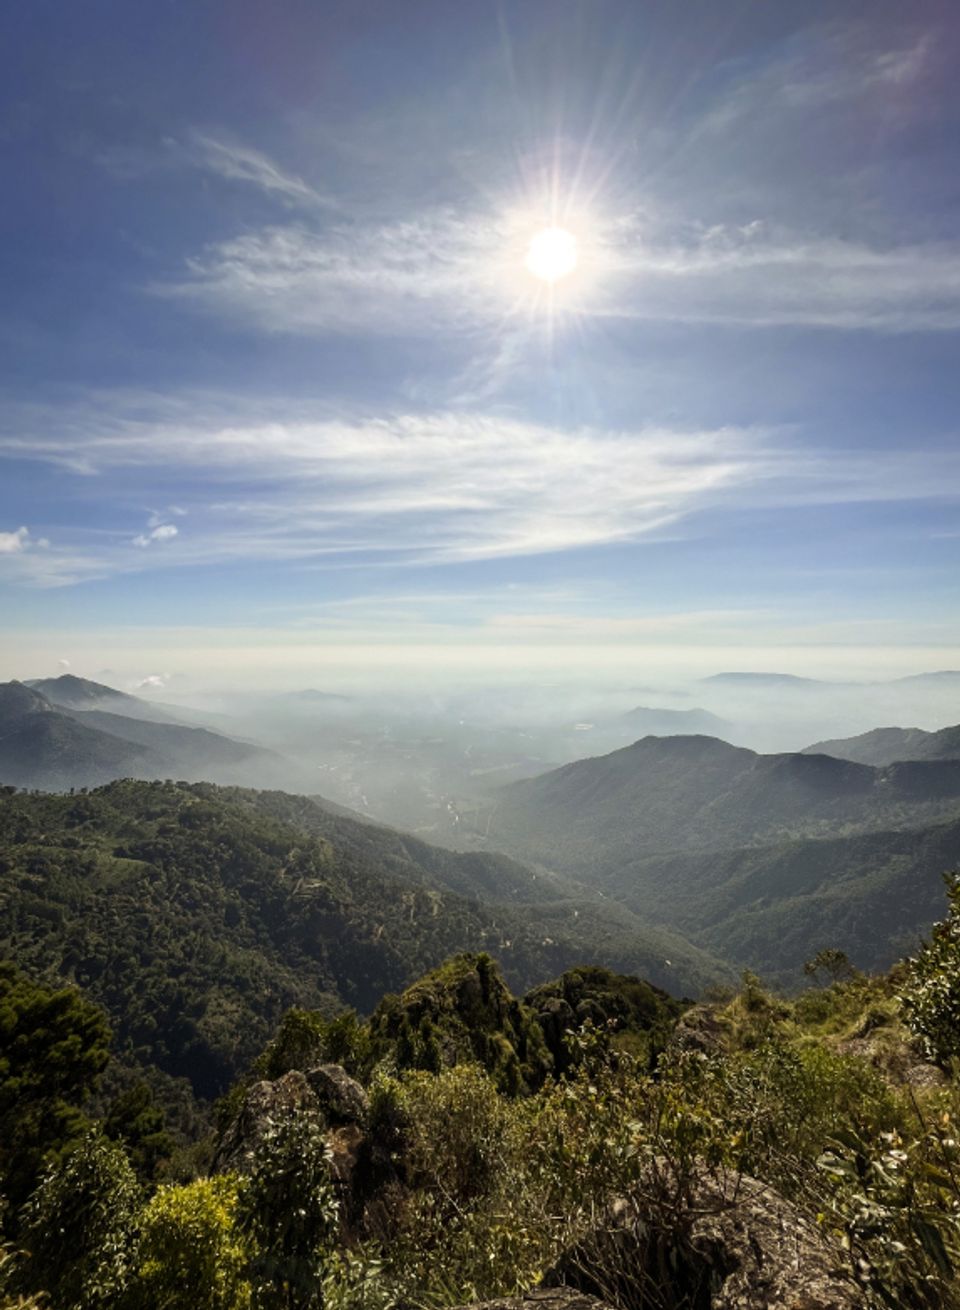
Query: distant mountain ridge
x=667 y=722
x=763 y=679
x=686 y=793
x=42 y=746
x=53 y=737
x=883 y=746
x=762 y=859
x=72 y=693
x=941 y=677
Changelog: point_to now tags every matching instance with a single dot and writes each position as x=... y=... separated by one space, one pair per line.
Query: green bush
x=287 y=1211
x=53 y=1048
x=930 y=990
x=191 y=1254
x=80 y=1227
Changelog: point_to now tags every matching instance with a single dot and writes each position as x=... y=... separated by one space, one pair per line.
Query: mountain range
x=65 y=732
x=883 y=746
x=678 y=855
x=761 y=859
x=688 y=793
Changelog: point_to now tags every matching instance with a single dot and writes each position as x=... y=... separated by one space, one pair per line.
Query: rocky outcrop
x=728 y=1242
x=264 y=1102
x=341 y=1098
x=699 y=1029
x=326 y=1090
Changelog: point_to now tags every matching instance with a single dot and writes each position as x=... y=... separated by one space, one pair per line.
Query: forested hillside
x=762 y=859
x=196 y=915
x=593 y=1144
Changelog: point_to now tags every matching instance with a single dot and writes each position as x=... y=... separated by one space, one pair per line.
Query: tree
x=135 y=1119
x=831 y=962
x=80 y=1226
x=930 y=993
x=288 y=1212
x=53 y=1047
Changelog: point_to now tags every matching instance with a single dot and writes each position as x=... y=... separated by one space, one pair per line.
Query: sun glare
x=552 y=254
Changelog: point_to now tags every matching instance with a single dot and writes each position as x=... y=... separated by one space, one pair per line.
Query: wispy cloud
x=241 y=163
x=439 y=272
x=159 y=517
x=162 y=532
x=754 y=277
x=218 y=156
x=819 y=68
x=435 y=488
x=426 y=273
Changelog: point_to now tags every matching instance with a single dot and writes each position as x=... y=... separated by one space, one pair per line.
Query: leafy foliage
x=288 y=1210
x=197 y=918
x=463 y=1011
x=53 y=1048
x=930 y=993
x=80 y=1226
x=191 y=1255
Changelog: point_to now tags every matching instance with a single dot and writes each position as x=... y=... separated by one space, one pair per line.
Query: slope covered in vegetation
x=196 y=917
x=789 y=1153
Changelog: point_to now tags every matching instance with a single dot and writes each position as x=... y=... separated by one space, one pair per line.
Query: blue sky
x=281 y=399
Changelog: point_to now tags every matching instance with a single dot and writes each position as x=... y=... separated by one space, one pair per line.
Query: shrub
x=191 y=1254
x=80 y=1226
x=930 y=990
x=287 y=1211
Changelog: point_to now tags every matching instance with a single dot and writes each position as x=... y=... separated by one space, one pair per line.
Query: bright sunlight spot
x=552 y=254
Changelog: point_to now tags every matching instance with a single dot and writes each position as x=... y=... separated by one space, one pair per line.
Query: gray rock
x=264 y=1102
x=340 y=1097
x=730 y=1243
x=698 y=1029
x=555 y=1017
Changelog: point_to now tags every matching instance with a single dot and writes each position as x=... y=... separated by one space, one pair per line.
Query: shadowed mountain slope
x=686 y=793
x=762 y=859
x=51 y=745
x=884 y=746
x=41 y=746
x=72 y=693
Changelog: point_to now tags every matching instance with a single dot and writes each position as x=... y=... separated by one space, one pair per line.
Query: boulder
x=340 y=1097
x=728 y=1242
x=699 y=1029
x=264 y=1101
x=556 y=1018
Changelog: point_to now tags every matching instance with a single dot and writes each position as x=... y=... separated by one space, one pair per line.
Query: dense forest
x=255 y=1053
x=196 y=915
x=594 y=1143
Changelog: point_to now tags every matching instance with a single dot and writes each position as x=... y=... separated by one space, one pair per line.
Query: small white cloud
x=159 y=517
x=63 y=664
x=153 y=682
x=12 y=543
x=161 y=532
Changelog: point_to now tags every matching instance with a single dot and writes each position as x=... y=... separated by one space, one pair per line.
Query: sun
x=552 y=254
